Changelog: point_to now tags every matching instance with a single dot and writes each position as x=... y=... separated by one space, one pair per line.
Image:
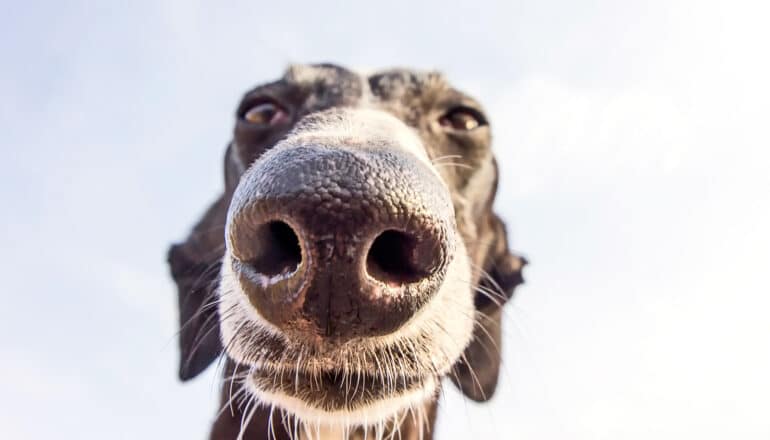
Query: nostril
x=279 y=251
x=393 y=259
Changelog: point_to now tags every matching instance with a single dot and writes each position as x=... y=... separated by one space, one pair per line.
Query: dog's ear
x=476 y=373
x=195 y=265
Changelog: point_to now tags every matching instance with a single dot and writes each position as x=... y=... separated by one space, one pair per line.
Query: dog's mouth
x=358 y=379
x=336 y=390
x=363 y=380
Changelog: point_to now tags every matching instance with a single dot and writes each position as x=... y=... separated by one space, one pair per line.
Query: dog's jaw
x=389 y=411
x=439 y=332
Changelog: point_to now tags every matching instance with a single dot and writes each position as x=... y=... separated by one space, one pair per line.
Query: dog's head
x=354 y=258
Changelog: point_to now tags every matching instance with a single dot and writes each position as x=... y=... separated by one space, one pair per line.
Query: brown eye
x=462 y=119
x=265 y=113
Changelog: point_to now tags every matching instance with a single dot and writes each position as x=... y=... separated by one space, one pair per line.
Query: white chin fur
x=373 y=414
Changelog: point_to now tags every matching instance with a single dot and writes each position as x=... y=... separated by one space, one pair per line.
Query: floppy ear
x=476 y=373
x=195 y=265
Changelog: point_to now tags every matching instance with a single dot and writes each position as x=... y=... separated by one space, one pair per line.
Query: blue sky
x=634 y=153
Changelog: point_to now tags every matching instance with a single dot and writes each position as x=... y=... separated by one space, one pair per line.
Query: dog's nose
x=340 y=242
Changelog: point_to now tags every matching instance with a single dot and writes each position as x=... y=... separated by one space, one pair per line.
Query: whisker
x=245 y=424
x=453 y=164
x=448 y=156
x=199 y=338
x=491 y=279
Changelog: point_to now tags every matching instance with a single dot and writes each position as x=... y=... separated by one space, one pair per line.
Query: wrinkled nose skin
x=340 y=242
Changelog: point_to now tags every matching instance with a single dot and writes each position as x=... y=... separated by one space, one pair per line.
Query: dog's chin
x=336 y=399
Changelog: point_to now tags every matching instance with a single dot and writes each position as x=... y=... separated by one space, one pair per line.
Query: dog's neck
x=262 y=426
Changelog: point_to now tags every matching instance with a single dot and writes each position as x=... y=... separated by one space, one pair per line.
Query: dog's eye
x=463 y=119
x=265 y=113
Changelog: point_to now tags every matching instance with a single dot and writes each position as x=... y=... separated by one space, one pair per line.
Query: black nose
x=340 y=242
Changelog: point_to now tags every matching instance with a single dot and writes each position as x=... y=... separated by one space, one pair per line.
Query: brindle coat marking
x=417 y=99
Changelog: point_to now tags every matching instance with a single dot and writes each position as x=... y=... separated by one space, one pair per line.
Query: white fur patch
x=362 y=126
x=374 y=414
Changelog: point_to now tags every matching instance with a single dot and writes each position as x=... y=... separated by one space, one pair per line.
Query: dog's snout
x=340 y=242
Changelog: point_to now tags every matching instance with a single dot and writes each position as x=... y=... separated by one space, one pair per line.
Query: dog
x=353 y=260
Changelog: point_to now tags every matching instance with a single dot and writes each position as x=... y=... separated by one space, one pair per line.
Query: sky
x=634 y=151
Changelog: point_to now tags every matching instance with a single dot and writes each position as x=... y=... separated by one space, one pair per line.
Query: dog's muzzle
x=339 y=239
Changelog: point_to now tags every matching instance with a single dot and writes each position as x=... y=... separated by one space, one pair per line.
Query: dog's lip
x=339 y=389
x=334 y=377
